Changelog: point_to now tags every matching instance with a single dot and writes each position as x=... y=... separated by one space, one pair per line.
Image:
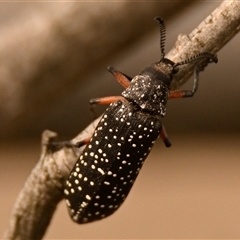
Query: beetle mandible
x=107 y=168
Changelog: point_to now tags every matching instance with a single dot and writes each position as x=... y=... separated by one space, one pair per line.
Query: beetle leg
x=122 y=78
x=82 y=143
x=164 y=137
x=56 y=146
x=187 y=93
x=105 y=100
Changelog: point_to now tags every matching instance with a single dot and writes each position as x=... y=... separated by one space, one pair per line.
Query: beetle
x=107 y=168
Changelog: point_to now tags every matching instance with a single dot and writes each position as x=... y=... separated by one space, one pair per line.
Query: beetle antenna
x=210 y=56
x=162 y=35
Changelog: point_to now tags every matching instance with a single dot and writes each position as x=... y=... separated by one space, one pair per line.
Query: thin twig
x=44 y=188
x=210 y=36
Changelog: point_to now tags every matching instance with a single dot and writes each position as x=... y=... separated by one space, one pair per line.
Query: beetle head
x=150 y=89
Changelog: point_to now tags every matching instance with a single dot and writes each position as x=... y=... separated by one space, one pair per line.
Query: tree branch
x=44 y=188
x=210 y=36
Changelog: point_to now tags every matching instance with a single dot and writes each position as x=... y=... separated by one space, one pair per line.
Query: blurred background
x=53 y=59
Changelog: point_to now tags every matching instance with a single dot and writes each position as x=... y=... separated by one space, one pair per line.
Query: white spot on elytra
x=68 y=203
x=84 y=204
x=101 y=171
x=88 y=197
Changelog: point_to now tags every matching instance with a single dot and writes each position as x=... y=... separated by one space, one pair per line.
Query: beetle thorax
x=148 y=93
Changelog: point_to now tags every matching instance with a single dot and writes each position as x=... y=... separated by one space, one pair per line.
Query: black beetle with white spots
x=105 y=172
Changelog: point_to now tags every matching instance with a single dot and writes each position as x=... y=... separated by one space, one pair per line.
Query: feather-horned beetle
x=106 y=170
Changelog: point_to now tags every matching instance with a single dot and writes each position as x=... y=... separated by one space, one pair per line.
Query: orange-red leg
x=82 y=143
x=164 y=137
x=180 y=94
x=106 y=100
x=122 y=78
